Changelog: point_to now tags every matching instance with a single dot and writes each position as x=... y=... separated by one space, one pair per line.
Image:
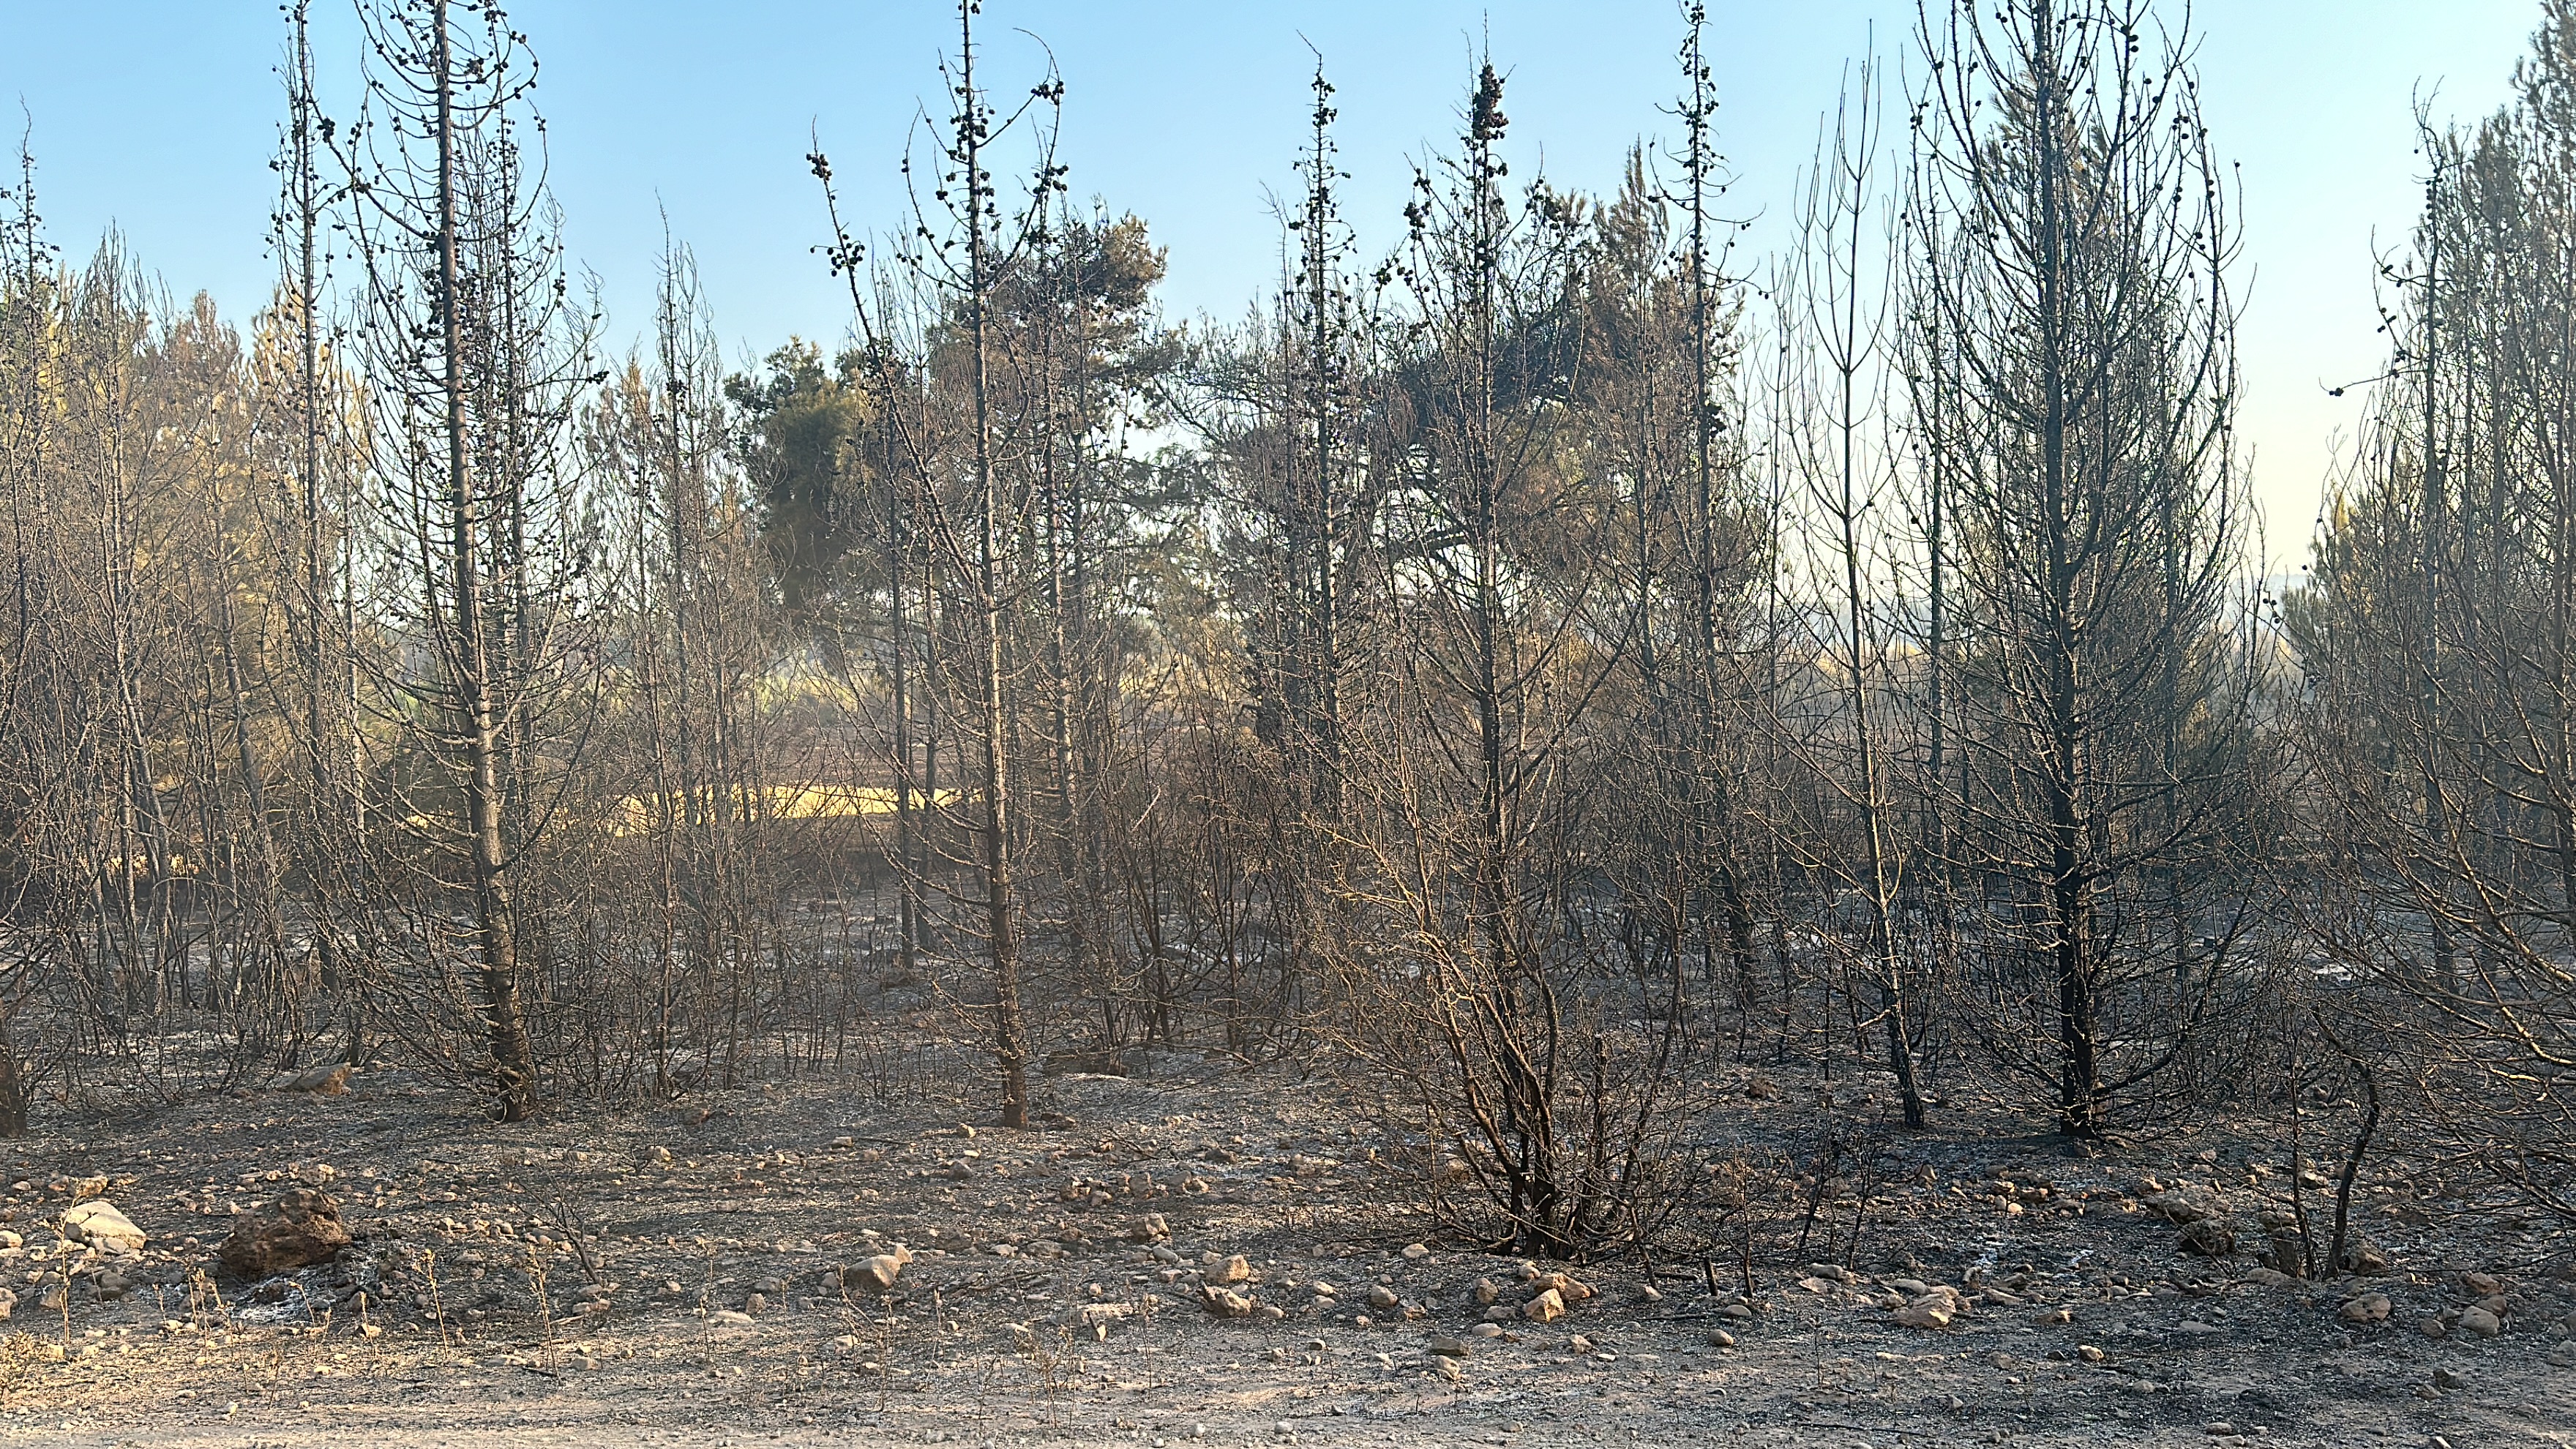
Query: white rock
x=100 y=1225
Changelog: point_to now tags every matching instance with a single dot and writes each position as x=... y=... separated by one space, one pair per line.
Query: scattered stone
x=2431 y=1326
x=2273 y=1278
x=1150 y=1229
x=101 y=1226
x=1563 y=1286
x=1416 y=1252
x=2054 y=1317
x=2481 y=1284
x=1235 y=1269
x=2089 y=1353
x=2368 y=1308
x=2481 y=1322
x=1381 y=1297
x=1488 y=1292
x=298 y=1230
x=1547 y=1307
x=1448 y=1347
x=1224 y=1302
x=727 y=1318
x=2220 y=1430
x=1720 y=1338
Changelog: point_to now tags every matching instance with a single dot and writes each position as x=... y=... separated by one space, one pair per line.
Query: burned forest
x=1644 y=815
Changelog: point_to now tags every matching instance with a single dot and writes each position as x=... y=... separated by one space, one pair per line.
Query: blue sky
x=158 y=116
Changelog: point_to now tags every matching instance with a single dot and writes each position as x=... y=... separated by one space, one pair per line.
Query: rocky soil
x=1195 y=1254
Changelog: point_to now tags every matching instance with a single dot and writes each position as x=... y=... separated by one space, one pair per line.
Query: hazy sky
x=158 y=116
